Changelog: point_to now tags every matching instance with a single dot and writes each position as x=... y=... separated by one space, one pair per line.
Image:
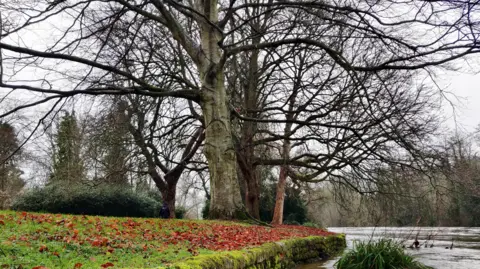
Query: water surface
x=464 y=254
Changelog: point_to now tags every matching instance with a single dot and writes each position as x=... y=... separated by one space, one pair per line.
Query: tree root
x=246 y=217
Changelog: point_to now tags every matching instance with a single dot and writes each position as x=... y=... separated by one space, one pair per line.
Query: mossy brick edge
x=279 y=255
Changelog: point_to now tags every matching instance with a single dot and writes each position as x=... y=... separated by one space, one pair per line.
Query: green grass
x=37 y=240
x=381 y=254
x=51 y=243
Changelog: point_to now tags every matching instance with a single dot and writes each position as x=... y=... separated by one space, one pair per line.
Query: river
x=464 y=254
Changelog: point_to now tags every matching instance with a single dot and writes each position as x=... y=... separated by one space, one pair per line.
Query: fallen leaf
x=106 y=265
x=43 y=248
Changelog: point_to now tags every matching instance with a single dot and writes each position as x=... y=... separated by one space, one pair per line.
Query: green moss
x=283 y=254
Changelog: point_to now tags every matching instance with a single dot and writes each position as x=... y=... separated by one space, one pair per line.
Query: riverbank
x=465 y=253
x=32 y=240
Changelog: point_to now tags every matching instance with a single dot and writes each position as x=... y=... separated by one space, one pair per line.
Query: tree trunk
x=252 y=187
x=224 y=188
x=245 y=158
x=282 y=181
x=280 y=197
x=169 y=196
x=249 y=130
x=252 y=196
x=225 y=201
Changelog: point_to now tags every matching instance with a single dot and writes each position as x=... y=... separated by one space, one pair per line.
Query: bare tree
x=167 y=140
x=83 y=56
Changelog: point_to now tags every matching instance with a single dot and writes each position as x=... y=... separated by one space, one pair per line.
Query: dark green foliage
x=312 y=224
x=294 y=209
x=381 y=254
x=67 y=162
x=114 y=139
x=206 y=210
x=102 y=201
x=10 y=174
x=472 y=205
x=180 y=212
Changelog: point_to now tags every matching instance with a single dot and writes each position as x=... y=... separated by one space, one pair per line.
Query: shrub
x=206 y=209
x=381 y=254
x=180 y=212
x=312 y=225
x=102 y=201
x=294 y=209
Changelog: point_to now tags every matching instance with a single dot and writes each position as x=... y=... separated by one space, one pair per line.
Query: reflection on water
x=465 y=253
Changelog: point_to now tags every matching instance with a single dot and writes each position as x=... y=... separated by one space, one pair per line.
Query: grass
x=381 y=254
x=33 y=240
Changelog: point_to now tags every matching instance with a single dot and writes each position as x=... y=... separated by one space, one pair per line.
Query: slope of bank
x=33 y=240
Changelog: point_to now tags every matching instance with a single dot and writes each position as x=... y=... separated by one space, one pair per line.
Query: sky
x=465 y=95
x=462 y=88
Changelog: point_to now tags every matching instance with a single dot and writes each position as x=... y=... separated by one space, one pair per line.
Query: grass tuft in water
x=381 y=254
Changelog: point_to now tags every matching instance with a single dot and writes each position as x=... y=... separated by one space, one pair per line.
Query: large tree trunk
x=282 y=181
x=247 y=148
x=280 y=197
x=252 y=196
x=252 y=186
x=245 y=157
x=224 y=188
x=169 y=196
x=226 y=201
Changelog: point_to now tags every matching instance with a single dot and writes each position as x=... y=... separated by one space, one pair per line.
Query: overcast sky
x=467 y=105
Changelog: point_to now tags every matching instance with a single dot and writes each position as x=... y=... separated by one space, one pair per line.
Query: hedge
x=101 y=201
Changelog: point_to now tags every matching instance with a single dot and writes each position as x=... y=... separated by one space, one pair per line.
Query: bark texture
x=219 y=151
x=225 y=200
x=282 y=181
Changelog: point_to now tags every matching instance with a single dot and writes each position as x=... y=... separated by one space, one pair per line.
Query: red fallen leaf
x=56 y=254
x=39 y=267
x=43 y=248
x=77 y=265
x=106 y=265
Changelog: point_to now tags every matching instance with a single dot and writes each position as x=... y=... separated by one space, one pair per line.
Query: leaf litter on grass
x=34 y=240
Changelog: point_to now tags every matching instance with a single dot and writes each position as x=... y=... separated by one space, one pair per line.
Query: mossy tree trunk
x=219 y=150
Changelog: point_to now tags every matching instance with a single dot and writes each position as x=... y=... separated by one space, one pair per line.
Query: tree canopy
x=342 y=75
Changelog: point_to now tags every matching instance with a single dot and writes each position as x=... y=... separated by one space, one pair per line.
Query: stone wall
x=284 y=254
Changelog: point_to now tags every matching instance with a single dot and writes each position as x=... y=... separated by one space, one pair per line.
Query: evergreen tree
x=10 y=180
x=114 y=139
x=67 y=162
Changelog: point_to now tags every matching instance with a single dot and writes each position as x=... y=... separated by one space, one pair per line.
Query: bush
x=312 y=225
x=294 y=209
x=180 y=212
x=206 y=209
x=381 y=254
x=101 y=201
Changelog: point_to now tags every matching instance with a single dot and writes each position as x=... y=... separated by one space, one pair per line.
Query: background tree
x=10 y=180
x=67 y=161
x=108 y=147
x=361 y=39
x=167 y=140
x=116 y=137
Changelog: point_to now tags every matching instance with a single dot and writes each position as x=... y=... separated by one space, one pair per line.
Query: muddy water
x=464 y=254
